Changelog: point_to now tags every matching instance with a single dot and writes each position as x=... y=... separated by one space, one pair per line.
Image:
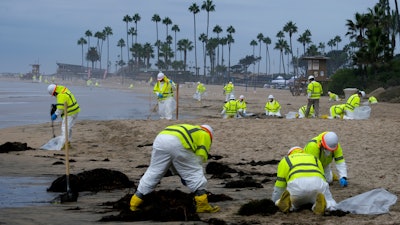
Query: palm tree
x=108 y=31
x=321 y=46
x=291 y=28
x=194 y=8
x=267 y=41
x=304 y=39
x=100 y=38
x=121 y=44
x=127 y=19
x=203 y=38
x=82 y=41
x=230 y=30
x=209 y=7
x=185 y=45
x=148 y=53
x=217 y=29
x=260 y=38
x=156 y=18
x=223 y=41
x=175 y=28
x=88 y=34
x=253 y=43
x=167 y=21
x=136 y=18
x=337 y=40
x=92 y=56
x=282 y=46
x=132 y=32
x=331 y=43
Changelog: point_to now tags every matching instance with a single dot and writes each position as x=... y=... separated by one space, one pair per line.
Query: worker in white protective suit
x=300 y=180
x=164 y=91
x=182 y=148
x=326 y=148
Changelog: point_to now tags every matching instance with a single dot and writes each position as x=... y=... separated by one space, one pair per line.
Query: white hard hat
x=232 y=97
x=362 y=93
x=198 y=82
x=241 y=96
x=160 y=76
x=295 y=149
x=310 y=77
x=270 y=97
x=209 y=129
x=51 y=88
x=329 y=92
x=330 y=141
x=230 y=82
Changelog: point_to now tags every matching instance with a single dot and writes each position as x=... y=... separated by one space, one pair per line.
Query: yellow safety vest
x=65 y=95
x=192 y=137
x=315 y=89
x=353 y=102
x=296 y=166
x=231 y=107
x=273 y=106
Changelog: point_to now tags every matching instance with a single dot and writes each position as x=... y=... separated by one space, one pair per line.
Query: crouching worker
x=300 y=180
x=183 y=147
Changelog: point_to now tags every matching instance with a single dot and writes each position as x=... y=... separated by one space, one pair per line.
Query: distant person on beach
x=333 y=96
x=229 y=89
x=300 y=181
x=314 y=92
x=63 y=94
x=272 y=107
x=326 y=148
x=164 y=91
x=180 y=148
x=200 y=91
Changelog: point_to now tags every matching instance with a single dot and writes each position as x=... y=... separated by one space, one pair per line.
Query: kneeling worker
x=300 y=180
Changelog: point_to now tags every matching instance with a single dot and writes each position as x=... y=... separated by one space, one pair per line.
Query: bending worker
x=326 y=148
x=242 y=106
x=272 y=107
x=230 y=108
x=164 y=91
x=353 y=102
x=337 y=111
x=183 y=148
x=300 y=180
x=333 y=96
x=302 y=112
x=63 y=94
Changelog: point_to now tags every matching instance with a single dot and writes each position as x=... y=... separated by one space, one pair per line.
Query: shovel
x=69 y=196
x=52 y=110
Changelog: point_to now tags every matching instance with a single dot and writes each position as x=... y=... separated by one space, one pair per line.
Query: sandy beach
x=370 y=149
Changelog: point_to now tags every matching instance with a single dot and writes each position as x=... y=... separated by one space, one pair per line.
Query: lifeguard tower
x=316 y=66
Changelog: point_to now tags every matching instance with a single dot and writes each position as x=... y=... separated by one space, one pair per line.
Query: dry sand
x=370 y=148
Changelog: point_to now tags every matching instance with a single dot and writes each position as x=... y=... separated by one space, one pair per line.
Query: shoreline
x=369 y=146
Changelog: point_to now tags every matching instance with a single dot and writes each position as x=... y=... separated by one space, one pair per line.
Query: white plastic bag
x=376 y=201
x=291 y=115
x=54 y=144
x=362 y=112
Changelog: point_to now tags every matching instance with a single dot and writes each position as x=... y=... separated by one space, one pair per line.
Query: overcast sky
x=47 y=31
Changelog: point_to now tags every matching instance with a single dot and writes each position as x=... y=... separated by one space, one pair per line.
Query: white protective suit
x=168 y=153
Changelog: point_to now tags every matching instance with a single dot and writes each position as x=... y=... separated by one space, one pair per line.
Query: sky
x=46 y=32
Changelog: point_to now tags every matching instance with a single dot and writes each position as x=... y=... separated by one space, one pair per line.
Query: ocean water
x=23 y=103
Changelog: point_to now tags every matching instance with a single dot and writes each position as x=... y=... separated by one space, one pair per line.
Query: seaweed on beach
x=14 y=147
x=93 y=180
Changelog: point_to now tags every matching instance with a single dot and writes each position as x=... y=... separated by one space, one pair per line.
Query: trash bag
x=291 y=115
x=376 y=201
x=362 y=112
x=54 y=144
